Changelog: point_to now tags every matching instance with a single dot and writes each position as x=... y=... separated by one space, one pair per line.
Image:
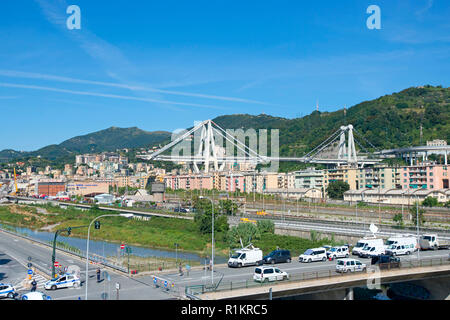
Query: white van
x=246 y=257
x=315 y=254
x=337 y=252
x=371 y=251
x=369 y=241
x=401 y=245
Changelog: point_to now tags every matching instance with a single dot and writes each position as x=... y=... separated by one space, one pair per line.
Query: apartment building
x=309 y=178
x=426 y=175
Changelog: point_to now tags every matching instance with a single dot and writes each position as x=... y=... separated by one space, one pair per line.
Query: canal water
x=108 y=249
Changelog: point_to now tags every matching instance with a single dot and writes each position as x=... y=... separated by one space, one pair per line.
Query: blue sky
x=161 y=65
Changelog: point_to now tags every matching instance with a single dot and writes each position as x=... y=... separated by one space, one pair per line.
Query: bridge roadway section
x=244 y=276
x=14 y=253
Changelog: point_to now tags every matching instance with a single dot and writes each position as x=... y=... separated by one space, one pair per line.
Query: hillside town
x=93 y=175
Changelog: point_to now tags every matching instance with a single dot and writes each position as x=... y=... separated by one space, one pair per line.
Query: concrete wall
x=319 y=235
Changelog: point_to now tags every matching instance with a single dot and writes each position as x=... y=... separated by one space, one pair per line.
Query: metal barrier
x=240 y=284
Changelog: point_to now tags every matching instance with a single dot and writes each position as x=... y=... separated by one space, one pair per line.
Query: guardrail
x=192 y=292
x=92 y=257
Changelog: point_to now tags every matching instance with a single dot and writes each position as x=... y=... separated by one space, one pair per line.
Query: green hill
x=387 y=122
x=105 y=140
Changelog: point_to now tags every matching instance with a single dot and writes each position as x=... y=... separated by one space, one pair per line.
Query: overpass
x=323 y=282
x=411 y=153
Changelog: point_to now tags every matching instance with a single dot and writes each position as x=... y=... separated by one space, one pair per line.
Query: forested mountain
x=390 y=121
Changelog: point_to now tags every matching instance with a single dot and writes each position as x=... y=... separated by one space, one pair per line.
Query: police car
x=65 y=281
x=36 y=295
x=6 y=291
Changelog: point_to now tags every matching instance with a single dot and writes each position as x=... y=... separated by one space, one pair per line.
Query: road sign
x=30 y=272
x=29 y=264
x=117 y=285
x=56 y=264
x=165 y=283
x=122 y=246
x=29 y=258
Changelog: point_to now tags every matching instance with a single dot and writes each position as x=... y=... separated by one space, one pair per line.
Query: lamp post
x=212 y=239
x=417 y=218
x=176 y=253
x=126 y=215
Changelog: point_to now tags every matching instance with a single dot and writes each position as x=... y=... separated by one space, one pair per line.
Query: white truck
x=402 y=244
x=367 y=242
x=247 y=256
x=430 y=241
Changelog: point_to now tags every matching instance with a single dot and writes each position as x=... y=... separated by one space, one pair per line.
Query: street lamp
x=212 y=239
x=417 y=218
x=126 y=215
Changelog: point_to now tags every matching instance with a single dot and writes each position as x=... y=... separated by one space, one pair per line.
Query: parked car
x=6 y=291
x=266 y=274
x=278 y=256
x=397 y=249
x=386 y=261
x=65 y=281
x=36 y=295
x=183 y=210
x=338 y=252
x=310 y=255
x=345 y=265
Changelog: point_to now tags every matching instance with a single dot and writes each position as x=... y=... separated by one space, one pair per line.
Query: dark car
x=180 y=210
x=386 y=261
x=278 y=256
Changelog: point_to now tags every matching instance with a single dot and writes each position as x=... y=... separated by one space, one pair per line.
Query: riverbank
x=158 y=233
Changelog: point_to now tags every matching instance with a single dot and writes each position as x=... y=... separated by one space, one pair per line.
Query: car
x=347 y=264
x=6 y=291
x=310 y=255
x=261 y=213
x=338 y=252
x=183 y=210
x=386 y=261
x=65 y=281
x=266 y=274
x=278 y=256
x=36 y=295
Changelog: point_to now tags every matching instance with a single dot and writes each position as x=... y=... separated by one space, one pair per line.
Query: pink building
x=425 y=176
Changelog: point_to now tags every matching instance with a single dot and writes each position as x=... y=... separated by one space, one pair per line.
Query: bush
x=430 y=202
x=265 y=226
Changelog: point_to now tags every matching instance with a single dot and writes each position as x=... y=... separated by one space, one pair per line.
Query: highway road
x=200 y=277
x=14 y=253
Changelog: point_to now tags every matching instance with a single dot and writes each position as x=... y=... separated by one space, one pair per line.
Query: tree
x=203 y=218
x=228 y=207
x=398 y=218
x=413 y=212
x=245 y=231
x=336 y=189
x=430 y=202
